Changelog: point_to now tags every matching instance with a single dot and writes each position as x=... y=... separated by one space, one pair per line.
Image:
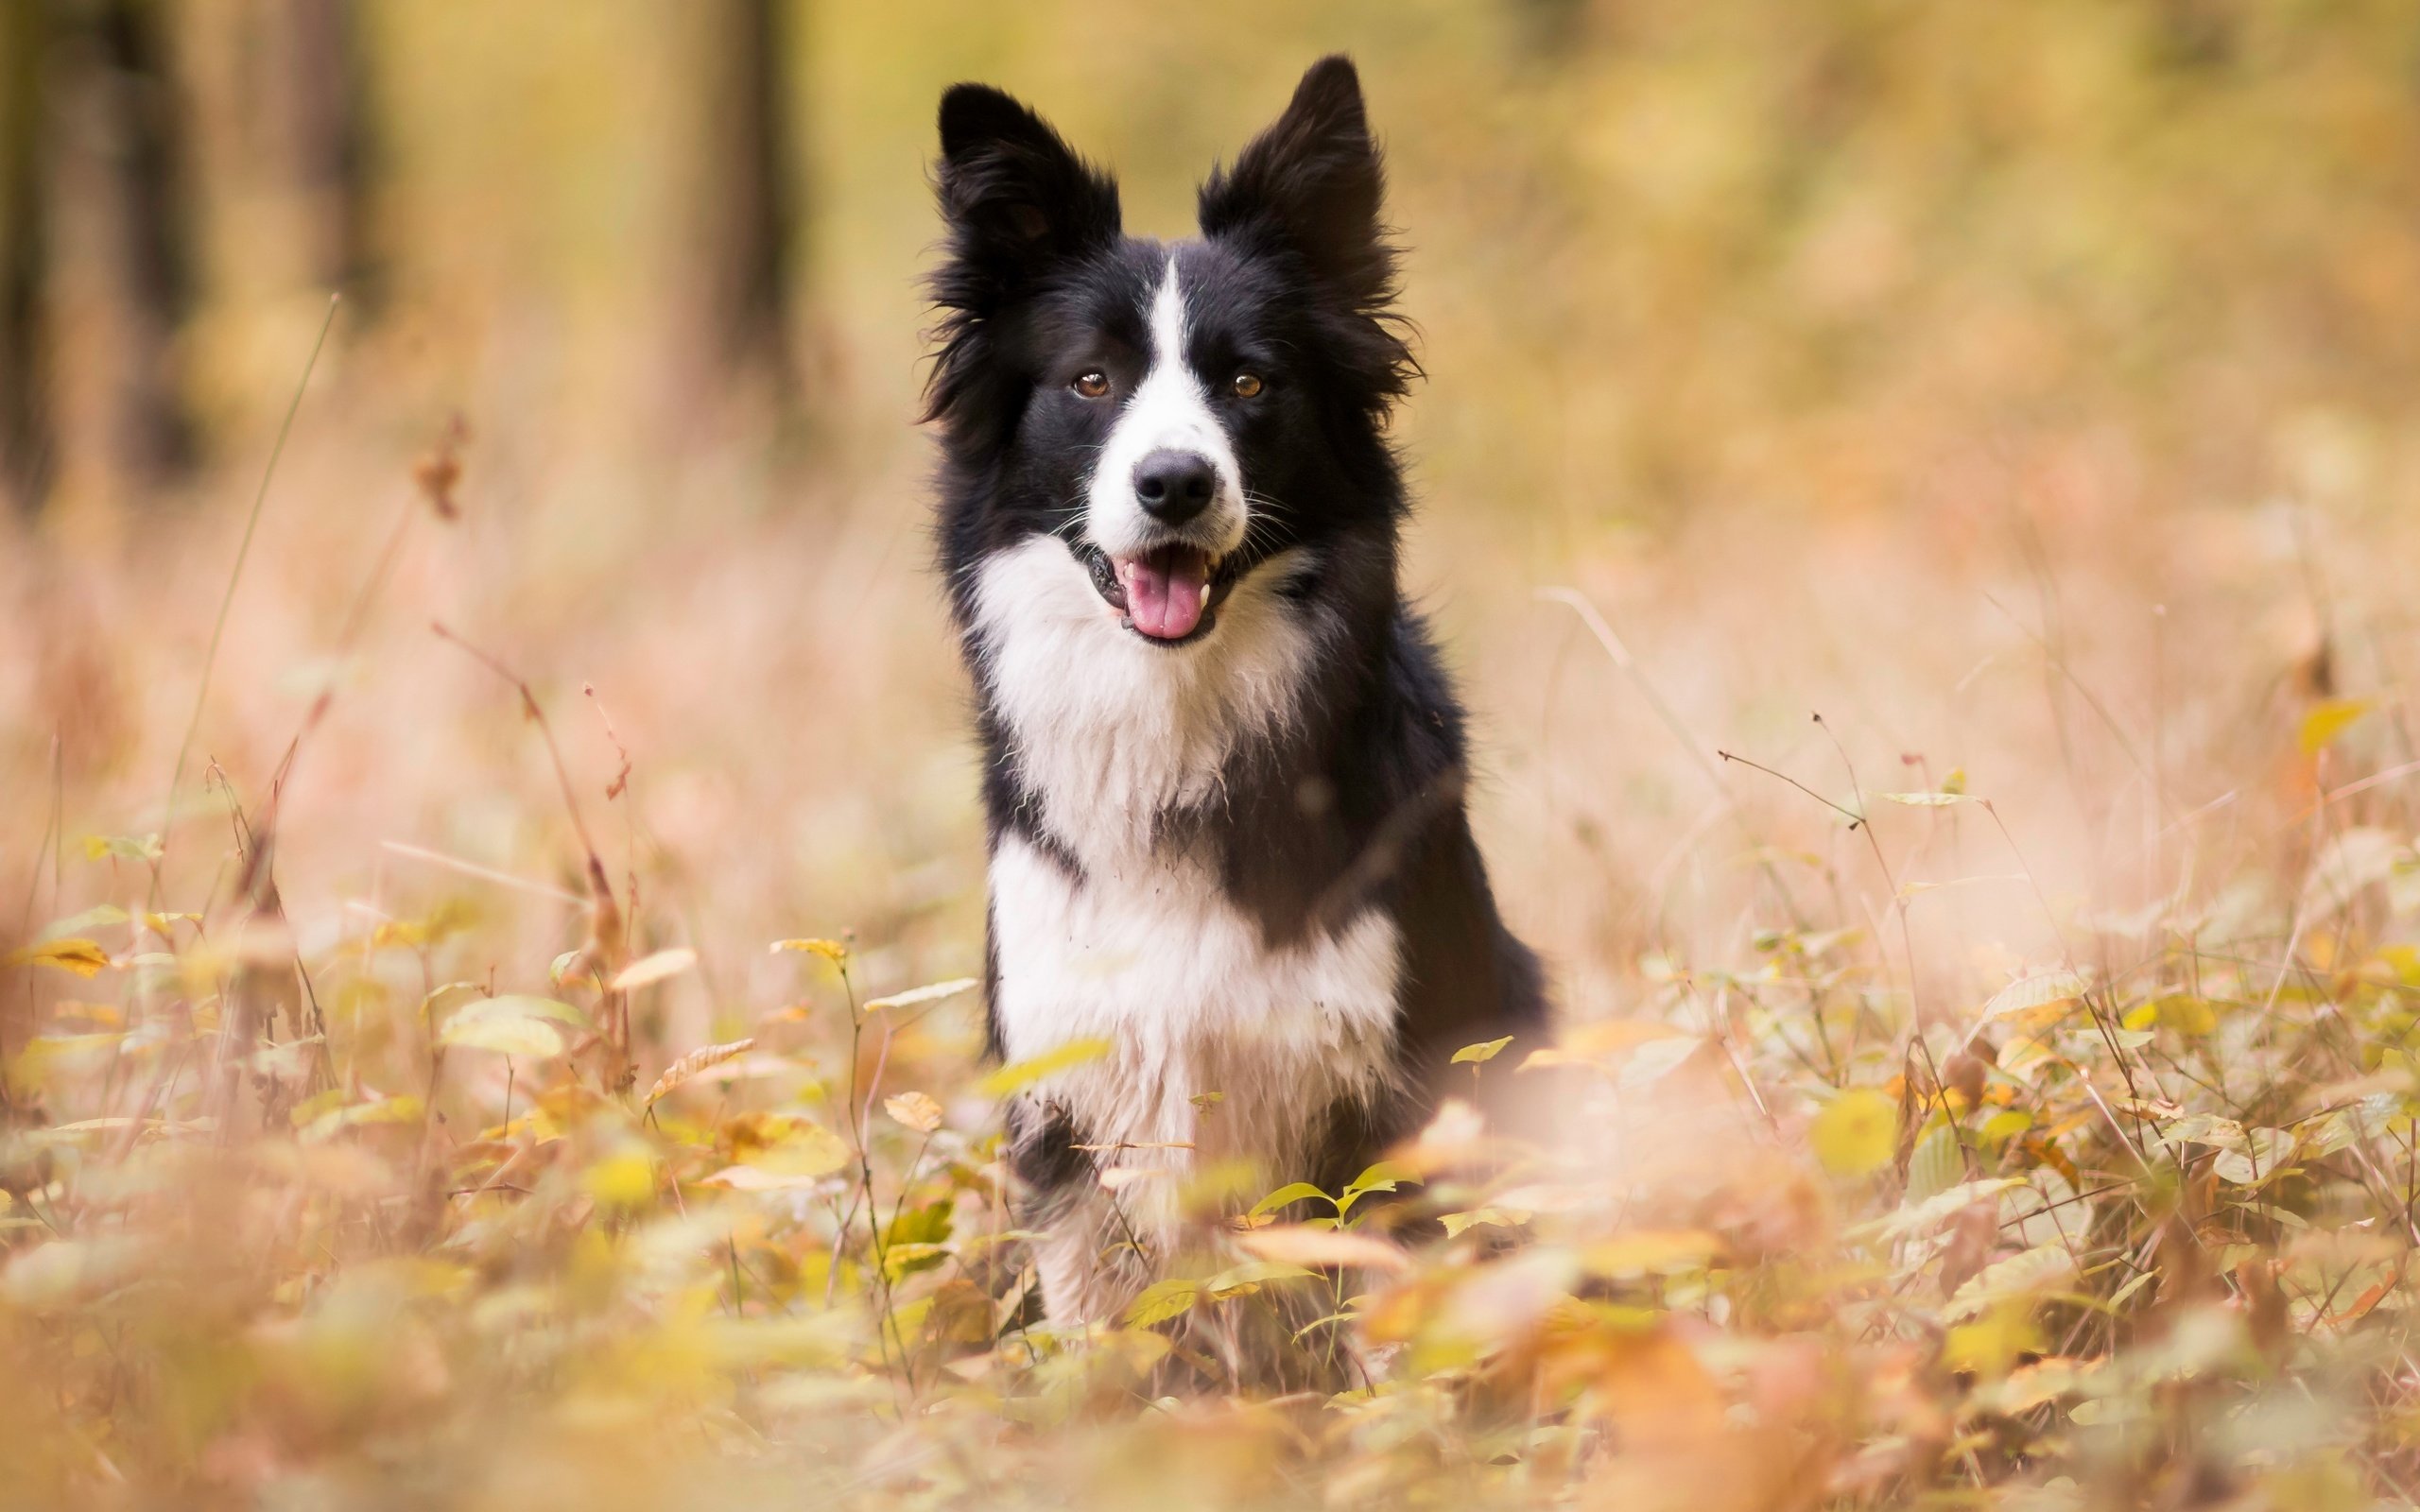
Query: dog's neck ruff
x=1113 y=740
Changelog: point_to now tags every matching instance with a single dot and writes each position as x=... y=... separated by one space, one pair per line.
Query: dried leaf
x=1299 y=1245
x=695 y=1061
x=914 y=1109
x=918 y=997
x=648 y=969
x=2037 y=992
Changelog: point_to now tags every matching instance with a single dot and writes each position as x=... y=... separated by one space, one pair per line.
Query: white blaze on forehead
x=1167 y=411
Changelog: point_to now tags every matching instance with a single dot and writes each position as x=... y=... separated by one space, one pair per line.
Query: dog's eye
x=1247 y=386
x=1093 y=384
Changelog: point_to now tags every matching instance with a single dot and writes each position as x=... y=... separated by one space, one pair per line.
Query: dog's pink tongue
x=1163 y=597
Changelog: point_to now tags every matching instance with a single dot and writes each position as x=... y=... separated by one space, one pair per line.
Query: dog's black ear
x=1016 y=196
x=1312 y=183
x=1018 y=201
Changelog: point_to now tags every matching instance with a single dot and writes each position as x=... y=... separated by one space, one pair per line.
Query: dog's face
x=1175 y=414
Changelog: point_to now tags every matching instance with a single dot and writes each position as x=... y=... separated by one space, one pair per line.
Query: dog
x=1223 y=767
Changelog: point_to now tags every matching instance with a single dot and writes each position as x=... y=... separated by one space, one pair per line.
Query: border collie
x=1223 y=768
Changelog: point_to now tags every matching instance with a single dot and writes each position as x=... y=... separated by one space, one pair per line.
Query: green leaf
x=1926 y=801
x=514 y=1024
x=1250 y=1276
x=506 y=1034
x=1162 y=1300
x=1921 y=1217
x=1480 y=1054
x=1384 y=1176
x=1022 y=1073
x=1290 y=1193
x=2264 y=1156
x=100 y=916
x=2037 y=1270
x=1936 y=1165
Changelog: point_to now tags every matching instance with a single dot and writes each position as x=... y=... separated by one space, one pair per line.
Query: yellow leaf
x=2330 y=719
x=702 y=1058
x=623 y=1179
x=918 y=997
x=1481 y=1054
x=1162 y=1300
x=831 y=949
x=1857 y=1132
x=914 y=1109
x=1025 y=1073
x=650 y=969
x=2188 y=1015
x=1483 y=1218
x=81 y=956
x=805 y=1154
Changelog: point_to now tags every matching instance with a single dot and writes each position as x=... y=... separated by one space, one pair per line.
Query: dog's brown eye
x=1247 y=386
x=1094 y=385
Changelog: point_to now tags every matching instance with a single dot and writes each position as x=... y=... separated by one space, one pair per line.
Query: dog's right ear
x=1018 y=202
x=1016 y=196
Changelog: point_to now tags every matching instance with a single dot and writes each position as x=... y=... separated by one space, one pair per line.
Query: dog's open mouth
x=1168 y=595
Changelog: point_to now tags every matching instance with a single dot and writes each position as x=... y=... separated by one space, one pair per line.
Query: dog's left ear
x=1312 y=183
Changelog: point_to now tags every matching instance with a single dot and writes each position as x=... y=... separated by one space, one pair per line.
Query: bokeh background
x=2028 y=391
x=1844 y=355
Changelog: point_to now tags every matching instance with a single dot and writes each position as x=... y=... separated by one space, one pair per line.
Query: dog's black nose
x=1174 y=486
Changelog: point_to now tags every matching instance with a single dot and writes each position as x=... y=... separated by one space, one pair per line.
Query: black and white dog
x=1223 y=770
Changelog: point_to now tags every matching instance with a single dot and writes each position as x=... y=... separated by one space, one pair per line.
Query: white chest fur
x=1145 y=950
x=1193 y=1002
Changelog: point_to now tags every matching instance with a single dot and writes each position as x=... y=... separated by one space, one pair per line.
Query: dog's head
x=1175 y=413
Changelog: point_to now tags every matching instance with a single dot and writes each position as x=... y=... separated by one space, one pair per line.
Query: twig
x=608 y=926
x=218 y=629
x=1854 y=819
x=471 y=869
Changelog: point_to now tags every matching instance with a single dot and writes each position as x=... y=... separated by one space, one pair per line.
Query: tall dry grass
x=1996 y=1091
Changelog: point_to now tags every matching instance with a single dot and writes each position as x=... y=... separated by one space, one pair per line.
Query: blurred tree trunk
x=743 y=218
x=24 y=441
x=117 y=284
x=319 y=90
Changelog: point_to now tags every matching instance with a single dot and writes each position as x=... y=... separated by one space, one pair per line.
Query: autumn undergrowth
x=405 y=1212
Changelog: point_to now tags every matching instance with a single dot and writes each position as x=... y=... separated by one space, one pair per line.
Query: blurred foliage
x=407 y=1109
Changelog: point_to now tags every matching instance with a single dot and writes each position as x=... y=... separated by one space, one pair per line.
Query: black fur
x=1361 y=807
